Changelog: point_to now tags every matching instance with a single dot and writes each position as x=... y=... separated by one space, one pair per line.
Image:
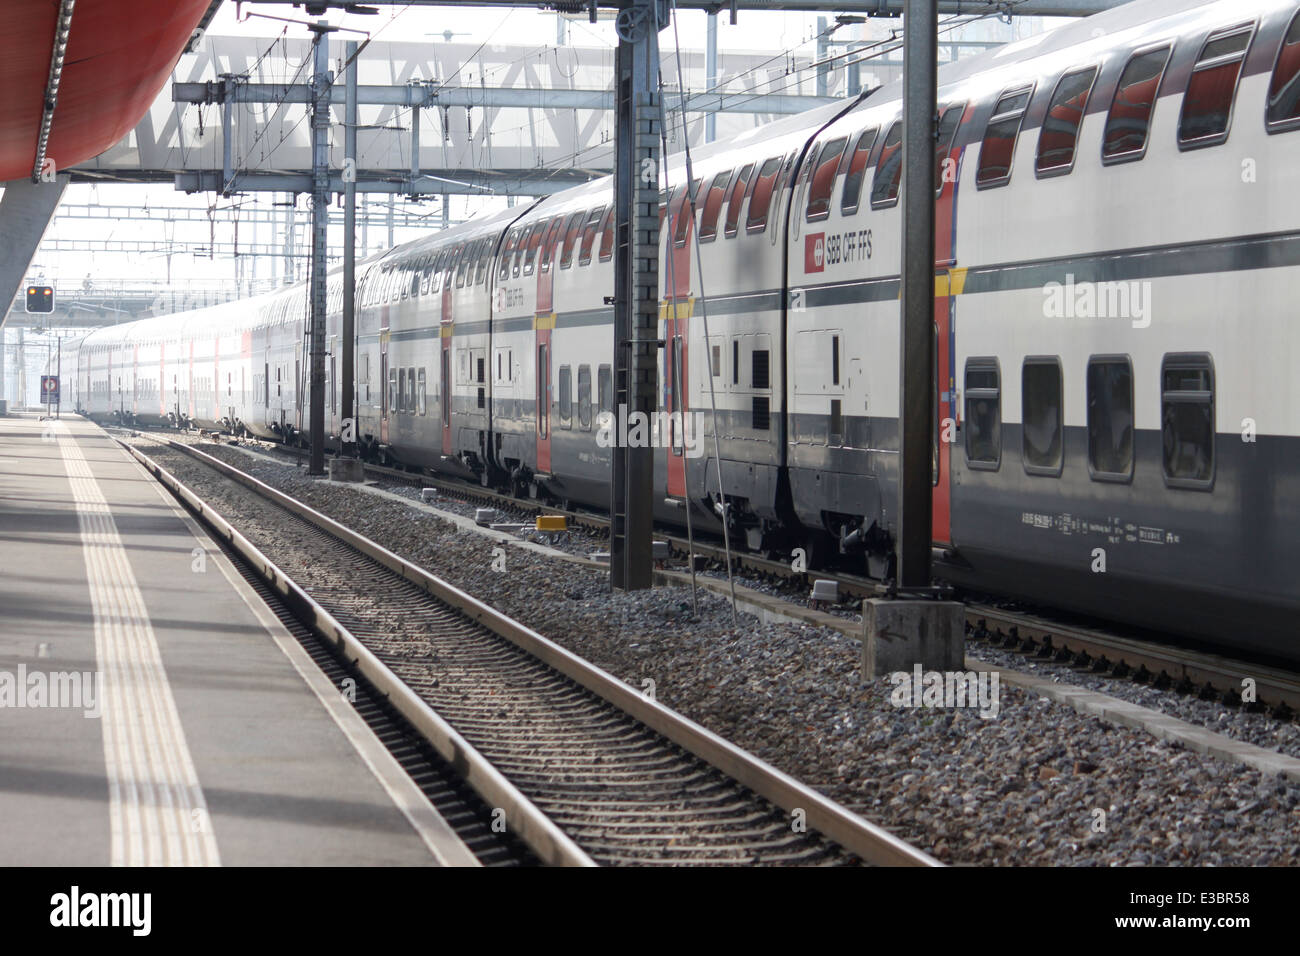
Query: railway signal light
x=40 y=298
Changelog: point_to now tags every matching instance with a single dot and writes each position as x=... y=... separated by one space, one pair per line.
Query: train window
x=945 y=167
x=507 y=250
x=589 y=230
x=1284 y=90
x=1187 y=420
x=716 y=361
x=607 y=236
x=535 y=243
x=401 y=390
x=572 y=229
x=605 y=388
x=1040 y=403
x=1110 y=418
x=584 y=396
x=426 y=274
x=392 y=388
x=999 y=146
x=889 y=168
x=553 y=236
x=856 y=172
x=1207 y=104
x=421 y=384
x=453 y=259
x=1060 y=132
x=463 y=265
x=685 y=215
x=1129 y=120
x=760 y=200
x=520 y=245
x=736 y=196
x=735 y=361
x=823 y=179
x=484 y=257
x=566 y=396
x=983 y=414
x=835 y=360
x=713 y=206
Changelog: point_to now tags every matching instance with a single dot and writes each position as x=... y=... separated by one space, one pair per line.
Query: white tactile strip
x=157 y=813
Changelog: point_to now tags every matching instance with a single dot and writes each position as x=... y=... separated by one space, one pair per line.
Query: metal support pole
x=823 y=48
x=415 y=144
x=320 y=198
x=711 y=71
x=227 y=134
x=636 y=287
x=916 y=387
x=350 y=254
x=58 y=375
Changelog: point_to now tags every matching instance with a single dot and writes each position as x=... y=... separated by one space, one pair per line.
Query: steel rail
x=856 y=834
x=531 y=825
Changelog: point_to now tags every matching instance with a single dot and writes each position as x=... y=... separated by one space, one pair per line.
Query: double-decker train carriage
x=1116 y=427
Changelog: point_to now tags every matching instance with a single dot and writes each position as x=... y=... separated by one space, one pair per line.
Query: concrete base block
x=347 y=469
x=902 y=633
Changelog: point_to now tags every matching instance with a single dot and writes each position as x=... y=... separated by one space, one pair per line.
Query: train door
x=544 y=401
x=947 y=286
x=679 y=302
x=544 y=325
x=386 y=388
x=446 y=329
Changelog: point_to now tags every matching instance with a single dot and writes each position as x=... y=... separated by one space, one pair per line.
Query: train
x=1117 y=417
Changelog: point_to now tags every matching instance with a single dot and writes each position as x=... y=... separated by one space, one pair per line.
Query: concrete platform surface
x=152 y=709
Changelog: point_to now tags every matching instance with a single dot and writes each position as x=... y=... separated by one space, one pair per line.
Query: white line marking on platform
x=157 y=814
x=442 y=841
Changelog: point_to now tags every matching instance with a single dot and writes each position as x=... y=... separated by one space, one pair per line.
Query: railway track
x=580 y=766
x=1036 y=635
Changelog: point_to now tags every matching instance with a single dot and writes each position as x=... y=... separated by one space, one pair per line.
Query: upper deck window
x=1284 y=90
x=1060 y=133
x=852 y=194
x=507 y=250
x=824 y=169
x=1129 y=121
x=889 y=168
x=607 y=236
x=589 y=231
x=736 y=196
x=949 y=120
x=1207 y=105
x=760 y=201
x=572 y=230
x=999 y=146
x=713 y=206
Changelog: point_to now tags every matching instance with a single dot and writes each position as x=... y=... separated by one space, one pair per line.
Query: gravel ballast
x=1037 y=784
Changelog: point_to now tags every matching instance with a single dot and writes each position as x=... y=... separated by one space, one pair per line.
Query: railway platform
x=153 y=710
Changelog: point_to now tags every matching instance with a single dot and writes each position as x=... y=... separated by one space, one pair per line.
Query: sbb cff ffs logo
x=40 y=298
x=814 y=252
